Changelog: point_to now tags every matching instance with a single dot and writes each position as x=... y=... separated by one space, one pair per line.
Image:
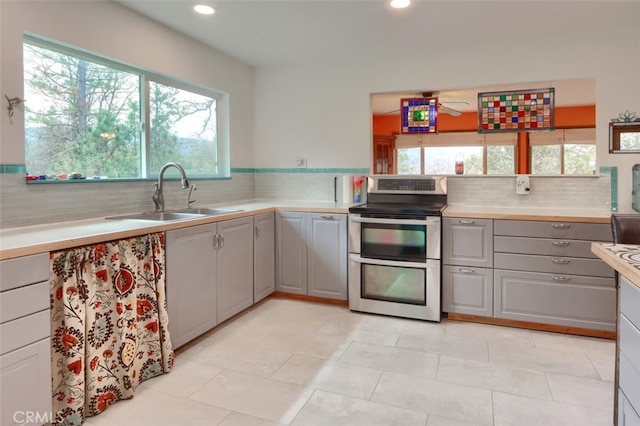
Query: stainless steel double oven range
x=395 y=247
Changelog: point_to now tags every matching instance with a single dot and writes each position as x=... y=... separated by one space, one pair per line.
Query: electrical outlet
x=523 y=185
x=301 y=162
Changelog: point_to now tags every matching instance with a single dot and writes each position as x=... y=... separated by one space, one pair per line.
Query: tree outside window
x=88 y=116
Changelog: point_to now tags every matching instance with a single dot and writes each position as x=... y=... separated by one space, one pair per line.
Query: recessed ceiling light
x=400 y=4
x=204 y=9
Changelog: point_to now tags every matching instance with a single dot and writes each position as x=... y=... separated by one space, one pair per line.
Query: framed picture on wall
x=418 y=115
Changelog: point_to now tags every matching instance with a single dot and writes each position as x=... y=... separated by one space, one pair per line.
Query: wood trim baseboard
x=283 y=295
x=533 y=326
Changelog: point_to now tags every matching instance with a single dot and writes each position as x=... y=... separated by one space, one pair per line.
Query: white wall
x=322 y=111
x=110 y=29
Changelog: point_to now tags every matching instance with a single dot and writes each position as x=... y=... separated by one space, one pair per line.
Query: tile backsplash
x=23 y=205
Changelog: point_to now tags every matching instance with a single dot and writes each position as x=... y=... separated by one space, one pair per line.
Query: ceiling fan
x=441 y=107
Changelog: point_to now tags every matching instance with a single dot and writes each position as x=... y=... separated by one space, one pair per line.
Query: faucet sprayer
x=158 y=197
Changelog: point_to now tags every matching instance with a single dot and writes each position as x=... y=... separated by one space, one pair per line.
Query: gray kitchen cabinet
x=467 y=277
x=234 y=267
x=467 y=242
x=312 y=254
x=291 y=252
x=327 y=256
x=209 y=276
x=264 y=256
x=25 y=344
x=191 y=281
x=629 y=355
x=544 y=274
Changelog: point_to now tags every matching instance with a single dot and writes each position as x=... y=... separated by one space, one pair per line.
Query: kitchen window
x=87 y=117
x=565 y=151
x=490 y=154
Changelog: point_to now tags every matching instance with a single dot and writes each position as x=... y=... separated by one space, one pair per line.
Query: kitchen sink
x=165 y=216
x=206 y=211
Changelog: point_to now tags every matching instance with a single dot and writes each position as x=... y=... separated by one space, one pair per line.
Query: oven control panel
x=399 y=184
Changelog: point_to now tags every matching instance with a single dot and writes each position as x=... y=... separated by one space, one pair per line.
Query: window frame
x=145 y=77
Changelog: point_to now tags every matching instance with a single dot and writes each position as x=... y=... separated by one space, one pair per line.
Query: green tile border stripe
x=612 y=171
x=13 y=169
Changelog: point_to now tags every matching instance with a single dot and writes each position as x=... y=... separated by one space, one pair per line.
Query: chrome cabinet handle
x=221 y=241
x=466 y=221
x=561 y=278
x=466 y=270
x=561 y=225
x=328 y=217
x=560 y=243
x=216 y=243
x=257 y=231
x=560 y=261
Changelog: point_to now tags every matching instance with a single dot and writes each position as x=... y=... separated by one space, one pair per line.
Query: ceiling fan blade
x=443 y=109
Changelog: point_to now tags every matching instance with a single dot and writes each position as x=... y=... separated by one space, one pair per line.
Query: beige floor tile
x=328 y=409
x=364 y=332
x=184 y=379
x=582 y=391
x=306 y=342
x=457 y=346
x=152 y=407
x=435 y=397
x=486 y=375
x=510 y=410
x=331 y=376
x=255 y=396
x=404 y=361
x=237 y=419
x=542 y=359
x=434 y=420
x=245 y=357
x=604 y=365
x=570 y=343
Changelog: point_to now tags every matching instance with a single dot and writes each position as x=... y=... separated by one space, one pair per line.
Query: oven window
x=396 y=242
x=394 y=284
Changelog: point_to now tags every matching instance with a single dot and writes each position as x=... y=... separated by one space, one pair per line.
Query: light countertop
x=529 y=213
x=22 y=241
x=624 y=258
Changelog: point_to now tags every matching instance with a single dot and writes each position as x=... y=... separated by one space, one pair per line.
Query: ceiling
x=291 y=32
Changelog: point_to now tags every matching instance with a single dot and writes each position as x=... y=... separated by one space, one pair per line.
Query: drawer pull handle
x=561 y=225
x=561 y=278
x=328 y=217
x=466 y=270
x=561 y=261
x=467 y=221
x=560 y=243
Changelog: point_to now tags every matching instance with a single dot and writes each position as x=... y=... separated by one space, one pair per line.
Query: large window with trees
x=89 y=117
x=564 y=151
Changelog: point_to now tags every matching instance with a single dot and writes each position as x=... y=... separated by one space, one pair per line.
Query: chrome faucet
x=158 y=197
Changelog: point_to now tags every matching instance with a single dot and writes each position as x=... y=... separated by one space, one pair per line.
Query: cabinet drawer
x=467 y=242
x=553 y=264
x=23 y=331
x=23 y=301
x=25 y=270
x=630 y=342
x=467 y=290
x=568 y=230
x=629 y=381
x=544 y=246
x=569 y=300
x=630 y=301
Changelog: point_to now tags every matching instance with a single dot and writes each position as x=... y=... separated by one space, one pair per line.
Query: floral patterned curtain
x=109 y=324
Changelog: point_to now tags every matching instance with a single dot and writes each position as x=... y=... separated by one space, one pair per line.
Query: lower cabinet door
x=25 y=385
x=467 y=290
x=567 y=300
x=627 y=415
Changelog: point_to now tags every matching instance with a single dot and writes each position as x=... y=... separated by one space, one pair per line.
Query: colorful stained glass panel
x=419 y=115
x=516 y=111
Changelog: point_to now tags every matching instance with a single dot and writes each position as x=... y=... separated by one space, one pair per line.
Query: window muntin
x=101 y=119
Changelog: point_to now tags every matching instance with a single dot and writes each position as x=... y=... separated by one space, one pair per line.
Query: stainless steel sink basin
x=165 y=216
x=206 y=211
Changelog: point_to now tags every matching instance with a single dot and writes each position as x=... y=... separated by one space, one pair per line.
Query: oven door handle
x=428 y=221
x=430 y=263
